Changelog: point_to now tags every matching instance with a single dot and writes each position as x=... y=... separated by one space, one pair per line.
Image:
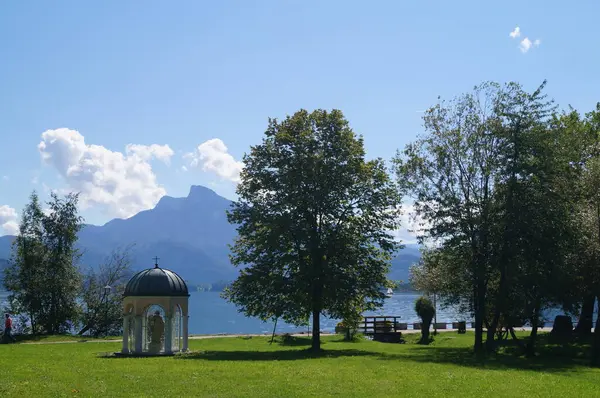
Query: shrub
x=340 y=328
x=347 y=330
x=426 y=311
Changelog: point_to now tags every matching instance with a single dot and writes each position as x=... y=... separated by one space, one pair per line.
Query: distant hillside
x=400 y=269
x=5 y=243
x=190 y=236
x=3 y=265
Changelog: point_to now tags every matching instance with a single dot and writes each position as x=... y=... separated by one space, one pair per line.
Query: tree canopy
x=315 y=222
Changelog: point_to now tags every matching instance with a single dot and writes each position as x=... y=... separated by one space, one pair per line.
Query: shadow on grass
x=293 y=341
x=287 y=355
x=549 y=358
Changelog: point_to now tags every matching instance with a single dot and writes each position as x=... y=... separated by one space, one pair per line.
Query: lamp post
x=107 y=290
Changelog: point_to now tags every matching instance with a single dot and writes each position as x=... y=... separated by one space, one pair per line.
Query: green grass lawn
x=232 y=367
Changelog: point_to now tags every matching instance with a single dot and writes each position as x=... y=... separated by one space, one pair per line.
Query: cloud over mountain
x=122 y=184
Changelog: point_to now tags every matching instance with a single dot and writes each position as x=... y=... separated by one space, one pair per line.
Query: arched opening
x=177 y=328
x=153 y=329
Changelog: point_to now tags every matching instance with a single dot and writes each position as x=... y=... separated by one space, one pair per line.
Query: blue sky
x=169 y=76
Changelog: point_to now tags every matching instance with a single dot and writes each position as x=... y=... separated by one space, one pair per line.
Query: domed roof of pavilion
x=156 y=282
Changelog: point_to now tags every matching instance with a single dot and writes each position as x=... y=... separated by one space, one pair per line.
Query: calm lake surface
x=210 y=314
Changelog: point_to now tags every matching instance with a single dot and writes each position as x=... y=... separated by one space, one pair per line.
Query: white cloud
x=147 y=152
x=525 y=45
x=184 y=169
x=515 y=33
x=8 y=221
x=411 y=225
x=213 y=156
x=121 y=184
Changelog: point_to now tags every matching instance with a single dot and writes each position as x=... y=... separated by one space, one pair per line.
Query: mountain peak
x=200 y=191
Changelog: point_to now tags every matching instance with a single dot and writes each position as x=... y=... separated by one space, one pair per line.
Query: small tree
x=42 y=276
x=24 y=275
x=102 y=306
x=62 y=281
x=425 y=310
x=353 y=317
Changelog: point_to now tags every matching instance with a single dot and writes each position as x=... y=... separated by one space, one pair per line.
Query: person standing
x=8 y=329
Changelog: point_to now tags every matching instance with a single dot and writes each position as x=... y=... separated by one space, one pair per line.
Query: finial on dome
x=156 y=262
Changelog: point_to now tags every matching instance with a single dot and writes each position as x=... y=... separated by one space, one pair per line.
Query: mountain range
x=189 y=235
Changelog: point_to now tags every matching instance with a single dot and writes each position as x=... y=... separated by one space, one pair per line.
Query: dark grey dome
x=156 y=282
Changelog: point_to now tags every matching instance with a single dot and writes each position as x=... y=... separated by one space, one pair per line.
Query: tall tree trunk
x=491 y=332
x=274 y=327
x=316 y=332
x=479 y=316
x=511 y=330
x=585 y=323
x=425 y=325
x=530 y=350
x=317 y=297
x=596 y=342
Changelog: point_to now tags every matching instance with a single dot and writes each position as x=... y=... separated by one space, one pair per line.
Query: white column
x=168 y=335
x=138 y=334
x=125 y=349
x=185 y=333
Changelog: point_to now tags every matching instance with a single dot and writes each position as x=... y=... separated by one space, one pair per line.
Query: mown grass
x=242 y=367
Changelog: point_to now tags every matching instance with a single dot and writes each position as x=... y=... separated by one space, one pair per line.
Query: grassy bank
x=230 y=367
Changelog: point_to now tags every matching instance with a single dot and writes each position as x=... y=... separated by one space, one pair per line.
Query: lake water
x=210 y=314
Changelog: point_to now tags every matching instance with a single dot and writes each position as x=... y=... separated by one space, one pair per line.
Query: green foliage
x=493 y=181
x=24 y=278
x=102 y=311
x=314 y=220
x=424 y=309
x=42 y=278
x=450 y=173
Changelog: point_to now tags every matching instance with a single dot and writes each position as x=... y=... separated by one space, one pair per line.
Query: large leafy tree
x=588 y=219
x=449 y=172
x=532 y=197
x=43 y=277
x=62 y=277
x=581 y=139
x=314 y=221
x=24 y=277
x=491 y=179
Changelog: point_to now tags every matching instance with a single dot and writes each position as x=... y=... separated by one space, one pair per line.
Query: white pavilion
x=155 y=313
